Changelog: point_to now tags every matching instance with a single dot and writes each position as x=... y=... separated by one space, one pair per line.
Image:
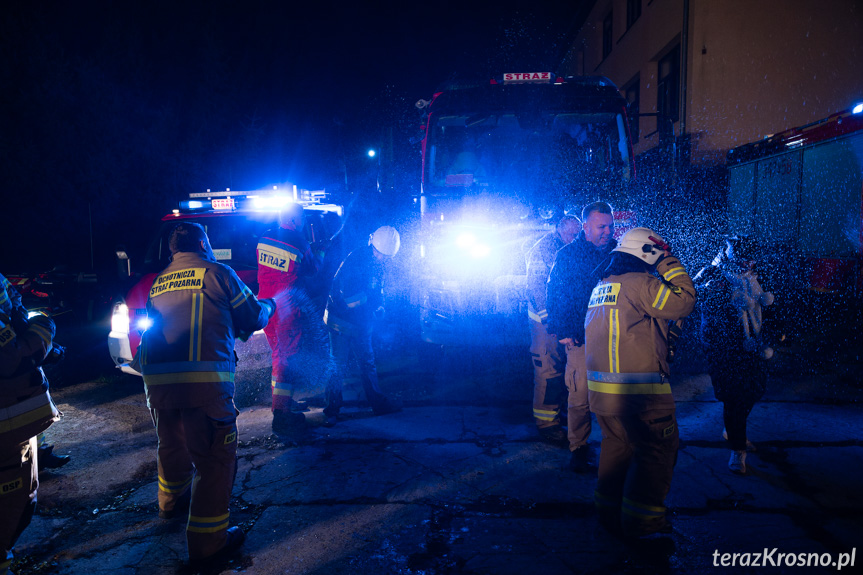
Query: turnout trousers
x=198 y=451
x=19 y=479
x=636 y=463
x=578 y=408
x=359 y=345
x=549 y=390
x=284 y=334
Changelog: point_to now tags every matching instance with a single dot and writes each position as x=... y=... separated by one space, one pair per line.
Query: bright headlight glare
x=480 y=250
x=144 y=324
x=120 y=318
x=465 y=240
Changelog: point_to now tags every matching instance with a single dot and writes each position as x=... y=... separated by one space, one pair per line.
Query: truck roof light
x=858 y=108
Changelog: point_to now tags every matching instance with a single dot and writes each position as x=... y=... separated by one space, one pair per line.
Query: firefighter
x=569 y=283
x=547 y=353
x=26 y=410
x=197 y=307
x=10 y=304
x=731 y=329
x=355 y=302
x=627 y=323
x=284 y=258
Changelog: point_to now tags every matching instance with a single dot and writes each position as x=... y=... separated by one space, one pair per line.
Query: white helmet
x=643 y=243
x=386 y=240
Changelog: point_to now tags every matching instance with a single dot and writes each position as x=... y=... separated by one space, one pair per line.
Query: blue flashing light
x=144 y=323
x=191 y=205
x=271 y=202
x=858 y=108
x=372 y=153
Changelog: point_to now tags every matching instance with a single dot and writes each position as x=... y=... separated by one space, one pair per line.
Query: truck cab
x=234 y=221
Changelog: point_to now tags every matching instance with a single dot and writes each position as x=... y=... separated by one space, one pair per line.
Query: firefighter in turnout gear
x=569 y=284
x=284 y=258
x=26 y=409
x=197 y=307
x=627 y=325
x=546 y=352
x=356 y=301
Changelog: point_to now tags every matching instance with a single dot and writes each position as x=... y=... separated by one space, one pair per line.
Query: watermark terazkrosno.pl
x=775 y=558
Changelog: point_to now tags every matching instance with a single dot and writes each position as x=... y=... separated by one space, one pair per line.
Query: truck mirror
x=124 y=265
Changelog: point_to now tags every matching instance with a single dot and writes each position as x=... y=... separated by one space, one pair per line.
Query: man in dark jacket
x=356 y=301
x=197 y=306
x=569 y=285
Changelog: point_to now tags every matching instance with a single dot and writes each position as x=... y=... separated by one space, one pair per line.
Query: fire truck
x=801 y=190
x=234 y=220
x=500 y=163
x=800 y=193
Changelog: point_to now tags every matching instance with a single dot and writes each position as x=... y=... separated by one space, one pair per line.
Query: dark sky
x=114 y=111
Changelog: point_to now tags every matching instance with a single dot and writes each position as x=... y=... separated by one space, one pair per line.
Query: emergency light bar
x=228 y=201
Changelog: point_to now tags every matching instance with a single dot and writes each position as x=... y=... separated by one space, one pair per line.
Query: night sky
x=115 y=111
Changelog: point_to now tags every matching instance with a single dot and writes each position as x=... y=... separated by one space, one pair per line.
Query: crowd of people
x=602 y=312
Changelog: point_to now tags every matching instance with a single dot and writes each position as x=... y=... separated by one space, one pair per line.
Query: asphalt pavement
x=459 y=483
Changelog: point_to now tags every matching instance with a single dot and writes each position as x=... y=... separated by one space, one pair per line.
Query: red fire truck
x=500 y=162
x=800 y=191
x=234 y=221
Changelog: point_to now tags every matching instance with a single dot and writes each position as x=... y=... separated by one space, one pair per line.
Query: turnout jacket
x=627 y=325
x=284 y=256
x=540 y=259
x=569 y=285
x=356 y=294
x=26 y=408
x=197 y=307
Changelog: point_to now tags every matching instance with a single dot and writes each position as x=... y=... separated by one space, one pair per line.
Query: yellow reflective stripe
x=241 y=297
x=601 y=500
x=196 y=328
x=659 y=296
x=673 y=272
x=43 y=333
x=629 y=388
x=189 y=377
x=544 y=415
x=173 y=486
x=207 y=524
x=665 y=297
x=26 y=412
x=281 y=388
x=614 y=341
x=644 y=506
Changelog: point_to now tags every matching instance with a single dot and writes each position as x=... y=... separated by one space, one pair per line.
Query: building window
x=633 y=11
x=607 y=41
x=631 y=92
x=668 y=98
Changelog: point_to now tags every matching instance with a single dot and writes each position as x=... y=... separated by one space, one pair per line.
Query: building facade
x=721 y=73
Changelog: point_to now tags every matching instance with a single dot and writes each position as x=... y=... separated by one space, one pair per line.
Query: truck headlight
x=120 y=319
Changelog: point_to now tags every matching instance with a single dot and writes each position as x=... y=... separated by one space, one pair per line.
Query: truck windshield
x=529 y=156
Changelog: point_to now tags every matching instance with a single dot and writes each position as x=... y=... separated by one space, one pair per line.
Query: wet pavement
x=458 y=482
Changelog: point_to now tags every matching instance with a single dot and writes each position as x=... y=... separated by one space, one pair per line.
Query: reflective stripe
x=189 y=377
x=614 y=341
x=241 y=297
x=207 y=524
x=282 y=388
x=629 y=388
x=673 y=273
x=356 y=299
x=661 y=297
x=173 y=486
x=26 y=412
x=632 y=377
x=43 y=332
x=545 y=415
x=195 y=330
x=538 y=317
x=601 y=500
x=630 y=507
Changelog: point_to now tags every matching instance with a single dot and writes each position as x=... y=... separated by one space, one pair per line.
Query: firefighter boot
x=234 y=539
x=288 y=423
x=383 y=405
x=582 y=460
x=554 y=434
x=737 y=463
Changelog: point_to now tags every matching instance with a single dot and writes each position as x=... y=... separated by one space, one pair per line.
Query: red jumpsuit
x=284 y=256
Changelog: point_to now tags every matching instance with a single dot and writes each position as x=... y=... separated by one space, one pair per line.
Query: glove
x=270 y=305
